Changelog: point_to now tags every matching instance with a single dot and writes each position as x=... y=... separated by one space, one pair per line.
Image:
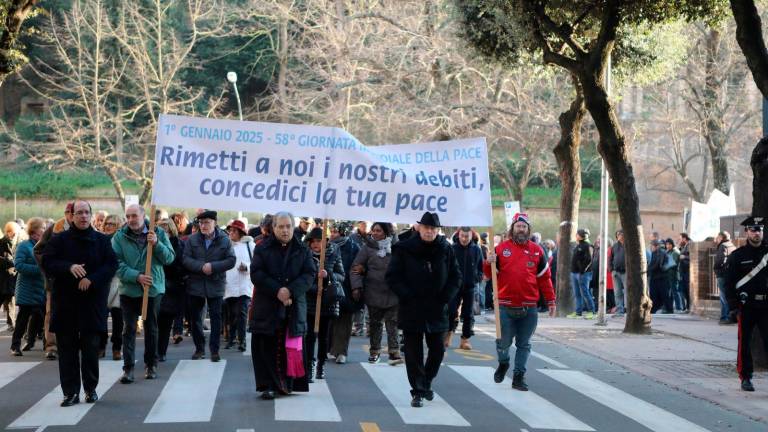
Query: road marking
x=648 y=415
x=189 y=394
x=47 y=412
x=527 y=406
x=393 y=383
x=542 y=357
x=474 y=355
x=11 y=371
x=245 y=430
x=316 y=405
x=369 y=427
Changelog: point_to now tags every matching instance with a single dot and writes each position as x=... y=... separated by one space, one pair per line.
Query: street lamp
x=232 y=77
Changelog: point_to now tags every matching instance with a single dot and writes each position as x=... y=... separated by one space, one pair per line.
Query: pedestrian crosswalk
x=191 y=389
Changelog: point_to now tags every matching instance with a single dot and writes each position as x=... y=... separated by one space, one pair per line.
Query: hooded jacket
x=239 y=282
x=425 y=277
x=376 y=290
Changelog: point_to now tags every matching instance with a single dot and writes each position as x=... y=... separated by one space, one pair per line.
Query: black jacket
x=470 y=260
x=582 y=257
x=72 y=309
x=333 y=291
x=425 y=277
x=274 y=266
x=656 y=266
x=222 y=258
x=175 y=280
x=348 y=250
x=7 y=280
x=618 y=258
x=740 y=263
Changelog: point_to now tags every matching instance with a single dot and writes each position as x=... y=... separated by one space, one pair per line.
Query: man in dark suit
x=82 y=263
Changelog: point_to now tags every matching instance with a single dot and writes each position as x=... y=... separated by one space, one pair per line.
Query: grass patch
x=37 y=182
x=550 y=198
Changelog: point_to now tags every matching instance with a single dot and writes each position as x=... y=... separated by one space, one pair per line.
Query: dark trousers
x=237 y=308
x=685 y=279
x=29 y=319
x=380 y=318
x=488 y=295
x=658 y=290
x=131 y=313
x=214 y=310
x=117 y=331
x=341 y=333
x=749 y=318
x=264 y=358
x=465 y=298
x=78 y=356
x=421 y=373
x=322 y=340
x=164 y=324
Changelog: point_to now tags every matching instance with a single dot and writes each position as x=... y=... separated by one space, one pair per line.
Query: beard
x=520 y=238
x=755 y=242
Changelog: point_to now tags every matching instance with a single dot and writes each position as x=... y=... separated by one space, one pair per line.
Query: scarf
x=385 y=247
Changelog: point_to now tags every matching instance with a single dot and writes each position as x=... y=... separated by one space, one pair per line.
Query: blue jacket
x=30 y=290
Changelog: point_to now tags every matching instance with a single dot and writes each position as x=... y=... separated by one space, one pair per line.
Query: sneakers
x=416 y=402
x=395 y=359
x=573 y=315
x=27 y=346
x=374 y=358
x=618 y=315
x=91 y=396
x=341 y=359
x=746 y=385
x=518 y=382
x=150 y=372
x=588 y=315
x=501 y=372
x=465 y=345
x=16 y=352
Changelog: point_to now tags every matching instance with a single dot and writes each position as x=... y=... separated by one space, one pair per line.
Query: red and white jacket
x=523 y=273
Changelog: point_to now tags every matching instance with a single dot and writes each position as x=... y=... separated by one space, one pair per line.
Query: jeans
x=131 y=307
x=520 y=330
x=465 y=297
x=580 y=284
x=723 y=302
x=214 y=309
x=480 y=288
x=619 y=285
x=238 y=317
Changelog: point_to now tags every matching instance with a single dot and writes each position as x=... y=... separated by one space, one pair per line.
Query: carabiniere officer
x=747 y=293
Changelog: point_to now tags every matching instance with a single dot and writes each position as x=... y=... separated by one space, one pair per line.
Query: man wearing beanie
x=208 y=255
x=523 y=275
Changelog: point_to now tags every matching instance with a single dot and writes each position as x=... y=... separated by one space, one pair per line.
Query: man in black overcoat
x=425 y=276
x=82 y=263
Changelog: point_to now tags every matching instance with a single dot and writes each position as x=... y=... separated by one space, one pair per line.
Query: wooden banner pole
x=320 y=268
x=495 y=285
x=148 y=267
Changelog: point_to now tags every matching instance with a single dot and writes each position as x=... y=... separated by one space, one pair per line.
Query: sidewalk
x=685 y=352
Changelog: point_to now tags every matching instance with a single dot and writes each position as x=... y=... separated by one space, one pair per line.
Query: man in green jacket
x=130 y=246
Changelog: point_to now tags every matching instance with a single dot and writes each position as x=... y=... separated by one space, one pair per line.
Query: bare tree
x=13 y=14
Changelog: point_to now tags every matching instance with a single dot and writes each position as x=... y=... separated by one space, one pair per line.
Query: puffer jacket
x=348 y=250
x=30 y=290
x=239 y=282
x=333 y=291
x=376 y=290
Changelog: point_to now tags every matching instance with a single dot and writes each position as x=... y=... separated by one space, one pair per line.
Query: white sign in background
x=318 y=172
x=510 y=209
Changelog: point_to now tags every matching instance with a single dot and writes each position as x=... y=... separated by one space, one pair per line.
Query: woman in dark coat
x=281 y=272
x=30 y=293
x=333 y=278
x=341 y=330
x=173 y=299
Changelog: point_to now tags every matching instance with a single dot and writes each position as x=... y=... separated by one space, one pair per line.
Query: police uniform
x=750 y=298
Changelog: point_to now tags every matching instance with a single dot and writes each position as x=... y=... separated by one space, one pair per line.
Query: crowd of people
x=67 y=276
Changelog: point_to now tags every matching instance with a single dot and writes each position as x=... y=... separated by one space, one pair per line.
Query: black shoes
x=416 y=402
x=50 y=355
x=91 y=396
x=150 y=372
x=198 y=355
x=229 y=345
x=177 y=339
x=746 y=385
x=429 y=395
x=161 y=358
x=241 y=347
x=27 y=346
x=127 y=377
x=215 y=357
x=374 y=358
x=16 y=353
x=518 y=382
x=320 y=372
x=70 y=400
x=501 y=372
x=268 y=395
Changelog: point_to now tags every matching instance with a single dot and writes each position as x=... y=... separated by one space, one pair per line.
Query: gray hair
x=280 y=215
x=141 y=209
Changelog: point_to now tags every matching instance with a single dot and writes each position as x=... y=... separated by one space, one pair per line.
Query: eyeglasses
x=755 y=228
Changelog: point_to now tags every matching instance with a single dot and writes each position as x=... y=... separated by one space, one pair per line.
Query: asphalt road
x=569 y=391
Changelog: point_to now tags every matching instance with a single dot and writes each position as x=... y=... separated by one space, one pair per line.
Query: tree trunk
x=17 y=12
x=759 y=163
x=282 y=91
x=112 y=174
x=749 y=35
x=615 y=152
x=713 y=121
x=568 y=161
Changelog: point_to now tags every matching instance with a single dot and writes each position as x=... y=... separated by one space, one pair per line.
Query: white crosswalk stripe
x=11 y=371
x=192 y=389
x=649 y=415
x=47 y=411
x=527 y=406
x=190 y=393
x=393 y=382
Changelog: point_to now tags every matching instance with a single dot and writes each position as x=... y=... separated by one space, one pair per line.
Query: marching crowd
x=67 y=276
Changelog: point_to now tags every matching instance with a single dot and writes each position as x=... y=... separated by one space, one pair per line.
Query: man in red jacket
x=523 y=274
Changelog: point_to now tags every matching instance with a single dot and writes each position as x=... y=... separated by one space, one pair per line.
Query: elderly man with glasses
x=746 y=285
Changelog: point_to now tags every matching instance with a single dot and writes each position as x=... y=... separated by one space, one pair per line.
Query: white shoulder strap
x=761 y=265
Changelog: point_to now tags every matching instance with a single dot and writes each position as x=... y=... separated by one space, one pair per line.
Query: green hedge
x=39 y=183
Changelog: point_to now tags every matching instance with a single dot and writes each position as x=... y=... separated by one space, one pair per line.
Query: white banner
x=318 y=171
x=510 y=209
